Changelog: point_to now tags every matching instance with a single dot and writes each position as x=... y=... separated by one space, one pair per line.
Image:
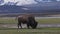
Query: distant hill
x=11 y=9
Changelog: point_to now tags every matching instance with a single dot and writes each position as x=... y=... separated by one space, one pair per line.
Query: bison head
x=34 y=25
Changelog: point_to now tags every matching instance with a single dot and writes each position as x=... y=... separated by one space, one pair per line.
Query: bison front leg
x=28 y=26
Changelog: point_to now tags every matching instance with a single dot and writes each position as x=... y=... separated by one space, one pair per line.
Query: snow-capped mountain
x=20 y=2
x=29 y=6
x=23 y=2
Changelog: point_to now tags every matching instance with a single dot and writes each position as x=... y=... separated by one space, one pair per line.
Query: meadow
x=30 y=31
x=13 y=20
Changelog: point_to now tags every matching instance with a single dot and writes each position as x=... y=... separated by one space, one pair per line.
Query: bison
x=27 y=19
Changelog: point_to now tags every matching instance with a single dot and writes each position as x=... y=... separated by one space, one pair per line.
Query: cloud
x=21 y=2
x=25 y=9
x=58 y=0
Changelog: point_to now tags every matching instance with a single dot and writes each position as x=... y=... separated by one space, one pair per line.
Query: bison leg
x=28 y=26
x=19 y=24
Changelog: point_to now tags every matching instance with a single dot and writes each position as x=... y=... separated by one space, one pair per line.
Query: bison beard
x=30 y=21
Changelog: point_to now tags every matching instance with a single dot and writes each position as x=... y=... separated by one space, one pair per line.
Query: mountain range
x=41 y=8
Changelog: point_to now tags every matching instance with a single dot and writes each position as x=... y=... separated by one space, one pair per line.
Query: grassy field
x=49 y=20
x=11 y=20
x=30 y=31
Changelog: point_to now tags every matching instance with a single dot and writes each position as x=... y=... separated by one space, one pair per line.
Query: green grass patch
x=29 y=31
x=43 y=28
x=49 y=20
x=12 y=20
x=8 y=20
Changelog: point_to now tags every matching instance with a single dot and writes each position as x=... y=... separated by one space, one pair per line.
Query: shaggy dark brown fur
x=27 y=19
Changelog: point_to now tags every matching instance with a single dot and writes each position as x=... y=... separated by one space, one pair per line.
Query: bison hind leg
x=19 y=24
